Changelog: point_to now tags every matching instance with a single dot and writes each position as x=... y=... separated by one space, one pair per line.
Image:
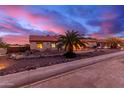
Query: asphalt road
x=106 y=74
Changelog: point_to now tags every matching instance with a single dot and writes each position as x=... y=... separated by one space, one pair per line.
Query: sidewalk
x=26 y=77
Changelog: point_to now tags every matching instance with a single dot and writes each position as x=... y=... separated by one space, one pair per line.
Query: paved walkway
x=108 y=73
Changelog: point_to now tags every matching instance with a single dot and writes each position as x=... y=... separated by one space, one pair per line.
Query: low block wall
x=17 y=49
x=3 y=51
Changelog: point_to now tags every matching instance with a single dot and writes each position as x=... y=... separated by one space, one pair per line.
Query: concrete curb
x=26 y=77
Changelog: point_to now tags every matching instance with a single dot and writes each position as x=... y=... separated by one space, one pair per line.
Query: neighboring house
x=102 y=43
x=49 y=42
x=3 y=50
x=91 y=42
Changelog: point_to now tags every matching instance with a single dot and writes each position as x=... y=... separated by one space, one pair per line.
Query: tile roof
x=89 y=40
x=48 y=38
x=35 y=38
x=101 y=40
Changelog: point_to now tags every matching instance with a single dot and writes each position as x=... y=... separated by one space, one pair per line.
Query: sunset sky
x=18 y=22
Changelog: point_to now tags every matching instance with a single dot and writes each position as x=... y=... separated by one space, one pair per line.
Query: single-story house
x=43 y=42
x=49 y=42
x=102 y=43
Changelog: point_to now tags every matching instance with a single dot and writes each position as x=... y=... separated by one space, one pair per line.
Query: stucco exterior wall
x=33 y=45
x=46 y=45
x=91 y=44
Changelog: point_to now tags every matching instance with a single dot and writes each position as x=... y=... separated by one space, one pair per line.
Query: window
x=39 y=45
x=53 y=45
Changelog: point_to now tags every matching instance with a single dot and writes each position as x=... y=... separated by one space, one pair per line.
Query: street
x=109 y=73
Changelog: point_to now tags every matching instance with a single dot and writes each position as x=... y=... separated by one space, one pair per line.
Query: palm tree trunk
x=70 y=48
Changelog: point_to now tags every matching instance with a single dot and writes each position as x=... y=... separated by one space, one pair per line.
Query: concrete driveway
x=108 y=73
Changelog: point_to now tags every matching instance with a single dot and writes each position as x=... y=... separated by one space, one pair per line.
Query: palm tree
x=114 y=42
x=70 y=41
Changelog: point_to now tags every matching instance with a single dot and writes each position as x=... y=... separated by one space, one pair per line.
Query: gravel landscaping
x=14 y=66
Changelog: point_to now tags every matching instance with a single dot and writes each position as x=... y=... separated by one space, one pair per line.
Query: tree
x=3 y=45
x=114 y=42
x=70 y=41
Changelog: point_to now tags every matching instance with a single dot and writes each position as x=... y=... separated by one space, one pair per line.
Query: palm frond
x=71 y=40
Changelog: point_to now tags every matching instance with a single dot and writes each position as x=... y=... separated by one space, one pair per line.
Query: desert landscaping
x=9 y=66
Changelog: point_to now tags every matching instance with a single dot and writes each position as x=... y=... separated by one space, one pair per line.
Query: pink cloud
x=52 y=27
x=109 y=15
x=18 y=12
x=35 y=20
x=96 y=35
x=9 y=27
x=104 y=31
x=105 y=27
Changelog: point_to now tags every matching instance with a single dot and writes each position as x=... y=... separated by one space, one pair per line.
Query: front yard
x=13 y=66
